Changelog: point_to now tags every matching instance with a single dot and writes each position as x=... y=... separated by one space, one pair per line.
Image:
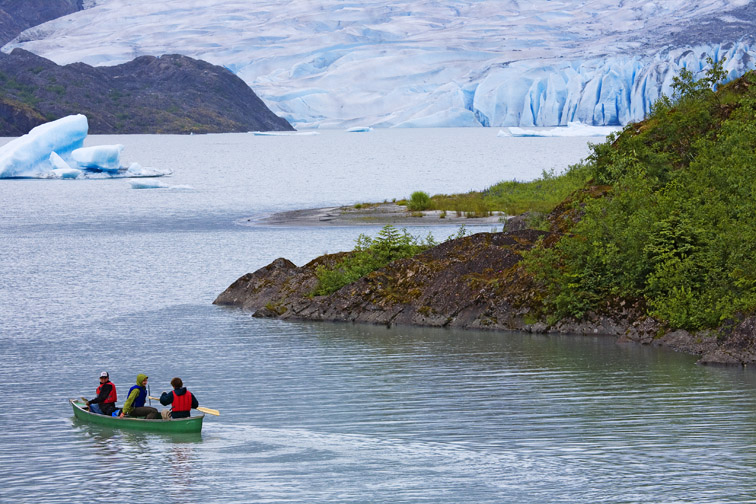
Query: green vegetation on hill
x=510 y=197
x=513 y=197
x=674 y=231
x=369 y=255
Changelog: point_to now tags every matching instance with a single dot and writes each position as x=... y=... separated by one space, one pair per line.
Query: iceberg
x=285 y=133
x=155 y=184
x=138 y=184
x=28 y=156
x=55 y=150
x=360 y=129
x=100 y=157
x=61 y=169
x=573 y=129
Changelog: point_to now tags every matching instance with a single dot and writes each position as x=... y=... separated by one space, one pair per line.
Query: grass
x=512 y=197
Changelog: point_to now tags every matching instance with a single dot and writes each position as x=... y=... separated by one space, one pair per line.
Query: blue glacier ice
x=421 y=63
x=55 y=150
x=29 y=155
x=573 y=129
x=61 y=169
x=99 y=157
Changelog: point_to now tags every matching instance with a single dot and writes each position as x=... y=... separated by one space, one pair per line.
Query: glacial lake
x=99 y=276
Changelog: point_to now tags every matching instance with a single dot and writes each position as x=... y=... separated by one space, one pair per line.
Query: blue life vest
x=139 y=401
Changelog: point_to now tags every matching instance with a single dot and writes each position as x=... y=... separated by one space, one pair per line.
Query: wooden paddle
x=209 y=411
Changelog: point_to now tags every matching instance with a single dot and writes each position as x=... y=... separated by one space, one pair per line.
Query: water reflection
x=139 y=440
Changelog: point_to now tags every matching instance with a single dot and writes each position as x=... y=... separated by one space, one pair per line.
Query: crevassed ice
x=424 y=62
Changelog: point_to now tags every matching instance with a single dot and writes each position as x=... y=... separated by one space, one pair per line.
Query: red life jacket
x=112 y=397
x=182 y=402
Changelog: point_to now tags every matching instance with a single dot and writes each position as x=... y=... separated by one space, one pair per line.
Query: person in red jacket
x=182 y=400
x=105 y=402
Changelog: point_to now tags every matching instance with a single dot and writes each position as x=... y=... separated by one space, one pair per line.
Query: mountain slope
x=424 y=62
x=18 y=15
x=170 y=94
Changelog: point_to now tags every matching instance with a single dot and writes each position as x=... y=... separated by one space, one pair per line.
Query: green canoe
x=173 y=426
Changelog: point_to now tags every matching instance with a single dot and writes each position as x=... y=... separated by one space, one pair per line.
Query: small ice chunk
x=61 y=169
x=148 y=184
x=64 y=173
x=99 y=157
x=137 y=170
x=573 y=129
x=360 y=129
x=285 y=133
x=58 y=162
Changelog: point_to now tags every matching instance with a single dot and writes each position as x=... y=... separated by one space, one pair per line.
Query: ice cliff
x=424 y=62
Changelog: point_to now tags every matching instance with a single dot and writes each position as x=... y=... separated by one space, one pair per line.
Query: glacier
x=424 y=63
x=55 y=150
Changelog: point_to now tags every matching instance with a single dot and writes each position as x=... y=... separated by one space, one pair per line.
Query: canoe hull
x=174 y=426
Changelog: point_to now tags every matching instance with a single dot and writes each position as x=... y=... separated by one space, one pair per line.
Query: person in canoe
x=134 y=405
x=182 y=400
x=105 y=402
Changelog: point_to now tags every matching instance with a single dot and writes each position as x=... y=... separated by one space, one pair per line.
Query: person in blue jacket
x=134 y=405
x=182 y=400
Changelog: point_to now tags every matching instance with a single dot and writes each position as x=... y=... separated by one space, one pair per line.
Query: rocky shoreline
x=371 y=215
x=473 y=282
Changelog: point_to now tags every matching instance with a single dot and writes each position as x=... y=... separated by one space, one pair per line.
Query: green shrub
x=678 y=230
x=419 y=201
x=369 y=255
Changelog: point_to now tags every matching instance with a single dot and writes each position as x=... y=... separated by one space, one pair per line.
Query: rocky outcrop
x=460 y=283
x=474 y=282
x=168 y=94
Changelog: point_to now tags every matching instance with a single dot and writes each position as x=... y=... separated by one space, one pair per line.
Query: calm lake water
x=99 y=276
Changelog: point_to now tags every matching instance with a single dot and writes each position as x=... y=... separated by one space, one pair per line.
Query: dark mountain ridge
x=166 y=94
x=18 y=15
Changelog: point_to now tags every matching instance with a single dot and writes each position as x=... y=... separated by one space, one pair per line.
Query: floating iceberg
x=285 y=133
x=55 y=150
x=573 y=129
x=100 y=157
x=156 y=184
x=360 y=129
x=61 y=169
x=28 y=156
x=138 y=184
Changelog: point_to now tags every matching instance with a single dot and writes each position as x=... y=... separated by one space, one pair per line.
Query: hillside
x=18 y=15
x=657 y=247
x=169 y=94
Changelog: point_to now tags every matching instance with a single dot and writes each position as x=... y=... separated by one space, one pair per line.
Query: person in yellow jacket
x=134 y=405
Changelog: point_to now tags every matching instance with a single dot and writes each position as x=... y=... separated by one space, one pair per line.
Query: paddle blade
x=209 y=411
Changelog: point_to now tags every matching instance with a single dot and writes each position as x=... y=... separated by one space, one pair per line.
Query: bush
x=677 y=231
x=369 y=255
x=419 y=201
